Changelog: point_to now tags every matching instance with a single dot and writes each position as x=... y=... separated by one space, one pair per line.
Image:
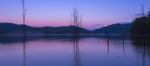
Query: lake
x=65 y=51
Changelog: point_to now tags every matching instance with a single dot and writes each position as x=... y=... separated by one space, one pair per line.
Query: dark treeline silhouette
x=141 y=25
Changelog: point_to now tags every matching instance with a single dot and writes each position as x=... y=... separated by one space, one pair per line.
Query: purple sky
x=94 y=13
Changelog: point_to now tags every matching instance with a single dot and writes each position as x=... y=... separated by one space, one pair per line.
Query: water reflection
x=142 y=46
x=57 y=51
x=109 y=37
x=24 y=50
x=77 y=59
x=108 y=46
x=19 y=38
x=123 y=42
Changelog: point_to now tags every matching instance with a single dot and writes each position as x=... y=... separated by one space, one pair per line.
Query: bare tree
x=24 y=31
x=76 y=18
x=77 y=24
x=143 y=7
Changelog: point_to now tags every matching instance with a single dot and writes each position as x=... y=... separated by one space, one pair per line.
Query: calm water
x=87 y=51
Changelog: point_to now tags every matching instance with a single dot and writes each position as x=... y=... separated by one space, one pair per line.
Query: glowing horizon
x=94 y=13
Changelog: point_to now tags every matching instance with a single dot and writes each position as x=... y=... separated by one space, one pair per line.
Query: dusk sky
x=94 y=13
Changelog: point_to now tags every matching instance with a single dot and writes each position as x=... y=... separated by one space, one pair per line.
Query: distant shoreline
x=10 y=28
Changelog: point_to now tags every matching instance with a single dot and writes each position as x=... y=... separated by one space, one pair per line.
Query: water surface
x=87 y=51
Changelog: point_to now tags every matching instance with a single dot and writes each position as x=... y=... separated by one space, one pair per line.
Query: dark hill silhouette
x=63 y=30
x=9 y=28
x=114 y=29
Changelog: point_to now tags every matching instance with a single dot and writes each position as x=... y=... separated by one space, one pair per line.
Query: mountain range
x=10 y=28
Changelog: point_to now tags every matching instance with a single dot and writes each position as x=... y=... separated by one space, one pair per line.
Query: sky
x=94 y=13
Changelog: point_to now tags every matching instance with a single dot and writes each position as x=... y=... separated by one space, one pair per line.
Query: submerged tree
x=76 y=18
x=76 y=21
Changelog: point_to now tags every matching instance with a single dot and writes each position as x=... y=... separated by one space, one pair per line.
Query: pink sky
x=94 y=13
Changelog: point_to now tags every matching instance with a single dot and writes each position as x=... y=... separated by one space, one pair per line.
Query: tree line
x=141 y=25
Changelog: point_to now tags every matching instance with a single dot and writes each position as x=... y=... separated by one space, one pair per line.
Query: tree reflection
x=141 y=42
x=108 y=43
x=24 y=50
x=77 y=61
x=123 y=42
